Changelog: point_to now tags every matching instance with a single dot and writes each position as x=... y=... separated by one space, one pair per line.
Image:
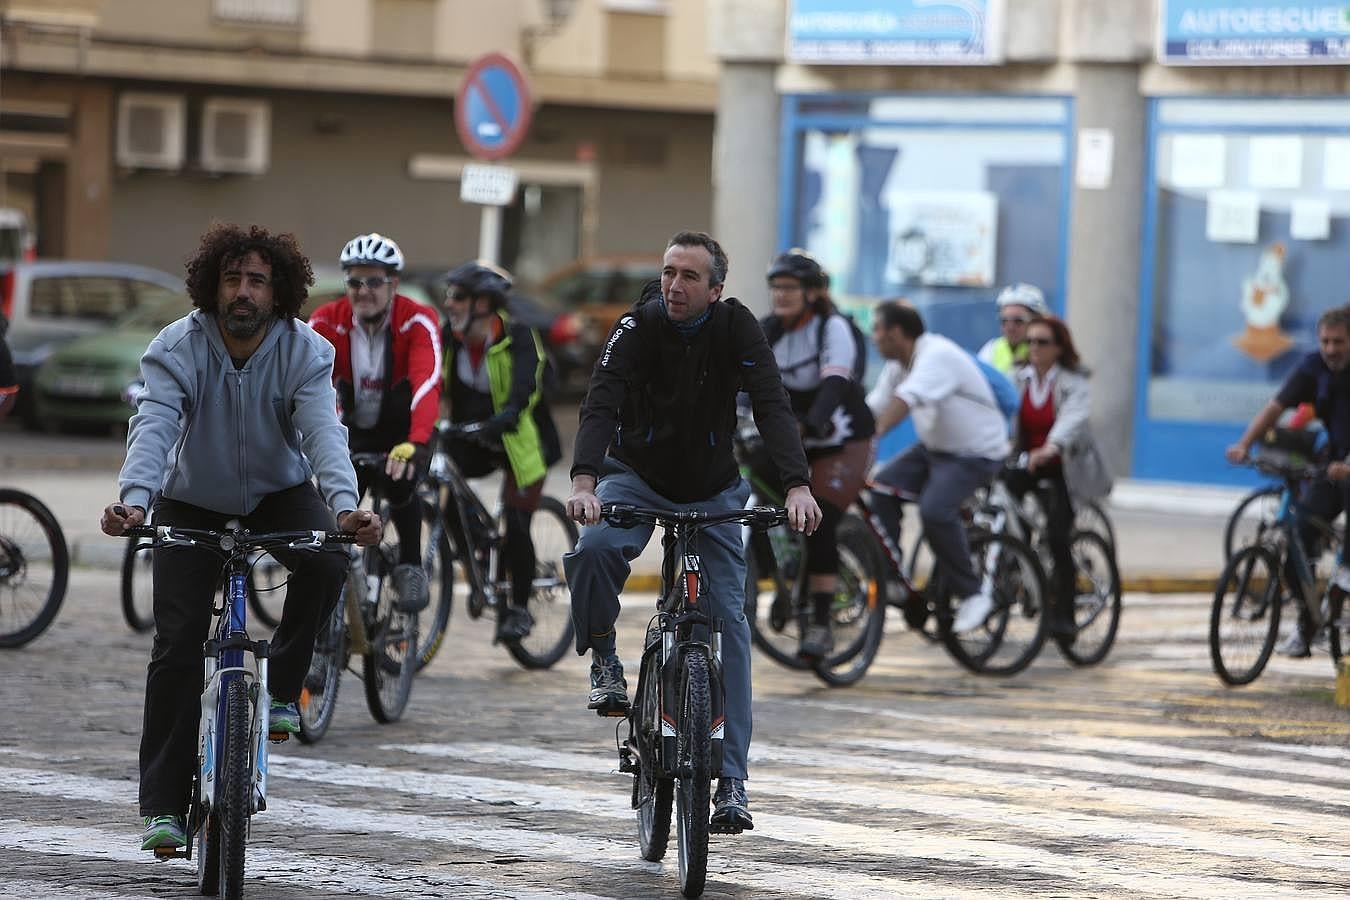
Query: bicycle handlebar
x=1285 y=470
x=239 y=540
x=624 y=515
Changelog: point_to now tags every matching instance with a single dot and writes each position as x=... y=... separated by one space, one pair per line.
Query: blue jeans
x=599 y=566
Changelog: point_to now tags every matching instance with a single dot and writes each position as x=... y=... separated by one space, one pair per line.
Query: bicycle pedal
x=724 y=828
x=171 y=853
x=612 y=712
x=278 y=737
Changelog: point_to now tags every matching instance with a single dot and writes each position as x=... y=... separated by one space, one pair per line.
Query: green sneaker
x=283 y=717
x=163 y=831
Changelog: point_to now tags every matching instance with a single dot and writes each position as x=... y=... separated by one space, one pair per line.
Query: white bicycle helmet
x=372 y=250
x=1023 y=294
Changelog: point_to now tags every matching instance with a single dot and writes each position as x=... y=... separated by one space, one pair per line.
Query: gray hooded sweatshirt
x=222 y=438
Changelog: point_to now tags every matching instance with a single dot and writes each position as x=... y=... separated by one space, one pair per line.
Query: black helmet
x=481 y=280
x=797 y=263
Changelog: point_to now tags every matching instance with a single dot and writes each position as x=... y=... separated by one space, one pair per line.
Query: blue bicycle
x=1261 y=577
x=230 y=784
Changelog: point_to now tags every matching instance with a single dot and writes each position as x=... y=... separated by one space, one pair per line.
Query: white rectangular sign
x=1096 y=148
x=488 y=185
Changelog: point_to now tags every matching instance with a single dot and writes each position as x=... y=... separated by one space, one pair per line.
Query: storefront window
x=1249 y=237
x=941 y=200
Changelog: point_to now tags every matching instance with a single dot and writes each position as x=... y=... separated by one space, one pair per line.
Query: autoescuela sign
x=1253 y=32
x=898 y=32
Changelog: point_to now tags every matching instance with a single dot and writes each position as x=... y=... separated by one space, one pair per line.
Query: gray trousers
x=943 y=482
x=599 y=566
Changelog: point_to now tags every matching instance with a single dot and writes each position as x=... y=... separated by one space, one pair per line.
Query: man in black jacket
x=656 y=430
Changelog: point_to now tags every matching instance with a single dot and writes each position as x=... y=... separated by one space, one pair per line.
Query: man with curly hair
x=237 y=415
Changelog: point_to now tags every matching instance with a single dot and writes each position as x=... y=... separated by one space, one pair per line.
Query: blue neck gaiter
x=687 y=329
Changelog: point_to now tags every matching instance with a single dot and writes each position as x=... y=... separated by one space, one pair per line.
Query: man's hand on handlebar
x=404 y=460
x=364 y=524
x=1338 y=471
x=803 y=513
x=118 y=517
x=1237 y=453
x=583 y=506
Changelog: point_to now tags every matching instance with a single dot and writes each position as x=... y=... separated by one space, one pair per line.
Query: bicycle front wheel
x=1095 y=609
x=858 y=616
x=550 y=604
x=391 y=656
x=1253 y=517
x=236 y=784
x=138 y=595
x=438 y=561
x=773 y=563
x=267 y=588
x=318 y=696
x=693 y=787
x=34 y=567
x=1245 y=618
x=1090 y=515
x=1014 y=631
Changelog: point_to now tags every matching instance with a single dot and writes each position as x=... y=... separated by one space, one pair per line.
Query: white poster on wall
x=1233 y=216
x=1275 y=161
x=1198 y=161
x=1096 y=147
x=1336 y=164
x=944 y=238
x=1310 y=219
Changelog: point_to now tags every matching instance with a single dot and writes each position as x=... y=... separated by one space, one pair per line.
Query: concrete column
x=745 y=177
x=1104 y=254
x=88 y=206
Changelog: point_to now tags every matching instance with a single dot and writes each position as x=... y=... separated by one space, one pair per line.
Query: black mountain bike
x=479 y=551
x=675 y=726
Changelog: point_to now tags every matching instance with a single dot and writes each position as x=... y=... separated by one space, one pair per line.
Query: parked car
x=51 y=302
x=597 y=291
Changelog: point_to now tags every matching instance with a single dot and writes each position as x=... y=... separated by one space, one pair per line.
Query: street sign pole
x=492 y=116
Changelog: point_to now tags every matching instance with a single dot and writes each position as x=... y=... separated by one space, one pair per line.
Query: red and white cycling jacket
x=415 y=341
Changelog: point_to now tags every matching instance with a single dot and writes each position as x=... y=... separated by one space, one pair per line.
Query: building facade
x=128 y=125
x=1172 y=173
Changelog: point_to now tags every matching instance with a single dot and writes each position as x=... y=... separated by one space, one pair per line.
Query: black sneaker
x=513 y=626
x=609 y=692
x=817 y=643
x=731 y=807
x=410 y=586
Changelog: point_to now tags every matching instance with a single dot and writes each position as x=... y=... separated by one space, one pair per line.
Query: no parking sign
x=492 y=107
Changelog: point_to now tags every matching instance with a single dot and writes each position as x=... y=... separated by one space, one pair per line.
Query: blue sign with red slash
x=492 y=107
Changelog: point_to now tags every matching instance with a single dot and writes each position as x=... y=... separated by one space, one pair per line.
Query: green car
x=91 y=381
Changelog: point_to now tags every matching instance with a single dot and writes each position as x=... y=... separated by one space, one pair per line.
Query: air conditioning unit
x=236 y=135
x=151 y=130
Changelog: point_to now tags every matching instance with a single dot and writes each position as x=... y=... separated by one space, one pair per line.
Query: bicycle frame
x=1291 y=514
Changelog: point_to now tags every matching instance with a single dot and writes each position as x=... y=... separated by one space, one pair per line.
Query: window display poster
x=1198 y=161
x=1310 y=219
x=895 y=32
x=943 y=238
x=1253 y=32
x=1275 y=161
x=1233 y=216
x=1096 y=147
x=1336 y=164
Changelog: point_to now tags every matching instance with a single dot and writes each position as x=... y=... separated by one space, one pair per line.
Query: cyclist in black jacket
x=656 y=431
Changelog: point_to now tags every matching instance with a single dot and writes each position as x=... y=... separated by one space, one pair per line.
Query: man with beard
x=387 y=371
x=237 y=415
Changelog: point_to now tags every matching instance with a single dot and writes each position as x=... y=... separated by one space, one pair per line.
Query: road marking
x=27 y=889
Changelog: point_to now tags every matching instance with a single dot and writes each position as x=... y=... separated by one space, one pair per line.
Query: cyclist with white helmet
x=494 y=374
x=1018 y=304
x=387 y=373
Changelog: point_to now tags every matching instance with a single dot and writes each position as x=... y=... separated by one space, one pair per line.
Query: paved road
x=1142 y=778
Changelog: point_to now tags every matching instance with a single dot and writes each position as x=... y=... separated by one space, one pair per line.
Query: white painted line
x=1279 y=767
x=27 y=889
x=1322 y=752
x=1035 y=819
x=265 y=865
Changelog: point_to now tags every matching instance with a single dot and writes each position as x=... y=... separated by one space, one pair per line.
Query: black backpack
x=773 y=330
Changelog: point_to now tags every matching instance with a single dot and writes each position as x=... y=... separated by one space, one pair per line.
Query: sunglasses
x=374 y=283
x=456 y=296
x=1008 y=320
x=1041 y=342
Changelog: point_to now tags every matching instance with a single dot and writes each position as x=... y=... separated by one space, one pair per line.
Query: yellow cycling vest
x=523 y=449
x=1005 y=359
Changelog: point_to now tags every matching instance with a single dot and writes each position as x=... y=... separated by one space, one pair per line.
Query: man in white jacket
x=963 y=440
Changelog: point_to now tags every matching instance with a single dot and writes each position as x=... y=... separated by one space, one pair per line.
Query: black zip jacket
x=666 y=407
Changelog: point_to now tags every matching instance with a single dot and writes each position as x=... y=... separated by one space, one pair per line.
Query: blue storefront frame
x=1188 y=450
x=794 y=121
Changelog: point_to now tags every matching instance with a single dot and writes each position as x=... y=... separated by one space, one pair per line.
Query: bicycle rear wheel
x=653 y=793
x=1096 y=601
x=693 y=787
x=1245 y=618
x=438 y=561
x=550 y=604
x=773 y=573
x=267 y=588
x=1338 y=625
x=391 y=658
x=1089 y=515
x=235 y=785
x=138 y=596
x=1013 y=633
x=858 y=617
x=208 y=854
x=318 y=695
x=1254 y=515
x=34 y=567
